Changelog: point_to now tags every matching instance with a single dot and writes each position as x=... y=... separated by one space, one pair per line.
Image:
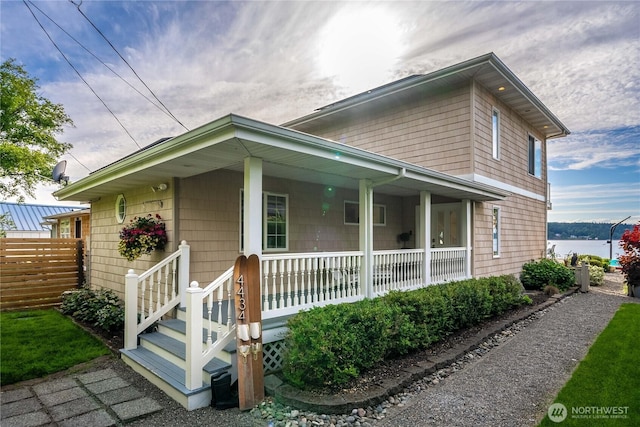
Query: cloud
x=605 y=148
x=261 y=59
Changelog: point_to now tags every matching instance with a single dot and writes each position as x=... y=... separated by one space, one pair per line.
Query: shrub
x=536 y=275
x=630 y=261
x=101 y=308
x=333 y=344
x=596 y=275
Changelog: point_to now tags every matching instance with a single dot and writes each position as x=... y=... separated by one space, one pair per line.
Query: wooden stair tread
x=181 y=327
x=169 y=372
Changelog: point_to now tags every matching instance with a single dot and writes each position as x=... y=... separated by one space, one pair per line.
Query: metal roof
x=32 y=217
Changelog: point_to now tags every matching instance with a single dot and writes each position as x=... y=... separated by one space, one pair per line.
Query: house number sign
x=248 y=307
x=242 y=302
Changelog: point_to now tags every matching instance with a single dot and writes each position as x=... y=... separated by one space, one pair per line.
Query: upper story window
x=535 y=157
x=495 y=133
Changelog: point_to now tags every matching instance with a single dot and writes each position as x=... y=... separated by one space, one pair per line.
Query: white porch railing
x=289 y=283
x=397 y=270
x=294 y=282
x=152 y=294
x=218 y=323
x=448 y=264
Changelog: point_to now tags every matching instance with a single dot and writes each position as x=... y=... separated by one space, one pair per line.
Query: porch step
x=177 y=349
x=180 y=327
x=170 y=378
x=224 y=311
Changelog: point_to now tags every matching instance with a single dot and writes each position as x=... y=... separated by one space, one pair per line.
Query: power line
x=101 y=61
x=76 y=159
x=80 y=75
x=125 y=61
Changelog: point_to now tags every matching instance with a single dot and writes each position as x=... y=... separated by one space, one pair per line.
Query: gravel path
x=514 y=384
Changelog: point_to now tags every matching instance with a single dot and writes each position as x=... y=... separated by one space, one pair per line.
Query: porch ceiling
x=225 y=143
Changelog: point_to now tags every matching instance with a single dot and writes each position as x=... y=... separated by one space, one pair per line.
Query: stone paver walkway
x=96 y=399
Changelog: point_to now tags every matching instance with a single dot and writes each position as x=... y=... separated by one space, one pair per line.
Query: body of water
x=585 y=247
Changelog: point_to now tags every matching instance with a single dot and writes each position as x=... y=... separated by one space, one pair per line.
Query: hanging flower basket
x=141 y=236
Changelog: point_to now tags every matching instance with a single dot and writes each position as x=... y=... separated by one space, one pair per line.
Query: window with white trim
x=535 y=157
x=121 y=208
x=495 y=132
x=275 y=224
x=65 y=229
x=496 y=231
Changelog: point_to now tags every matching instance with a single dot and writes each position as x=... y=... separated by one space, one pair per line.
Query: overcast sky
x=275 y=61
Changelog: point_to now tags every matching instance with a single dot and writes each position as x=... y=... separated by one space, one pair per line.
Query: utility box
x=583 y=273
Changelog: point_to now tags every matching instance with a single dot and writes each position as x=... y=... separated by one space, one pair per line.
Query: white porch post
x=193 y=347
x=466 y=222
x=183 y=272
x=130 y=310
x=425 y=238
x=253 y=206
x=366 y=235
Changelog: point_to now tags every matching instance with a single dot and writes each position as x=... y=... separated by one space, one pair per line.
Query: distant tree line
x=584 y=230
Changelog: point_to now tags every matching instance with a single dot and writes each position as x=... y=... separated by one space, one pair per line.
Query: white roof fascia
x=146 y=158
x=234 y=126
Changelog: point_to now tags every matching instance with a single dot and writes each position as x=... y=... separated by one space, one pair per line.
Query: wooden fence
x=35 y=272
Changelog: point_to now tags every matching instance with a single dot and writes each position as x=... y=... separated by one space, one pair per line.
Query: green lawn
x=605 y=388
x=40 y=342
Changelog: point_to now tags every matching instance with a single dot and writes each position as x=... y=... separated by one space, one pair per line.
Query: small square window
x=352 y=213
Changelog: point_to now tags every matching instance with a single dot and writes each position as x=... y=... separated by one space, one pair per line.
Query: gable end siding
x=431 y=131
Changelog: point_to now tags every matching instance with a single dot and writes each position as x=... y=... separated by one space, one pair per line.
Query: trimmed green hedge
x=335 y=343
x=538 y=274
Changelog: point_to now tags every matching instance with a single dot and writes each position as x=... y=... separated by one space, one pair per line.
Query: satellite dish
x=58 y=172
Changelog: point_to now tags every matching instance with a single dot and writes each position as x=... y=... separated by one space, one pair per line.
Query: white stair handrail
x=152 y=294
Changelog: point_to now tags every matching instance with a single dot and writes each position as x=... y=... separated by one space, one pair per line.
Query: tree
x=630 y=261
x=29 y=124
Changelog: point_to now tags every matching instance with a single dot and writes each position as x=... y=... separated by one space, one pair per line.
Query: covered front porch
x=289 y=281
x=196 y=342
x=227 y=182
